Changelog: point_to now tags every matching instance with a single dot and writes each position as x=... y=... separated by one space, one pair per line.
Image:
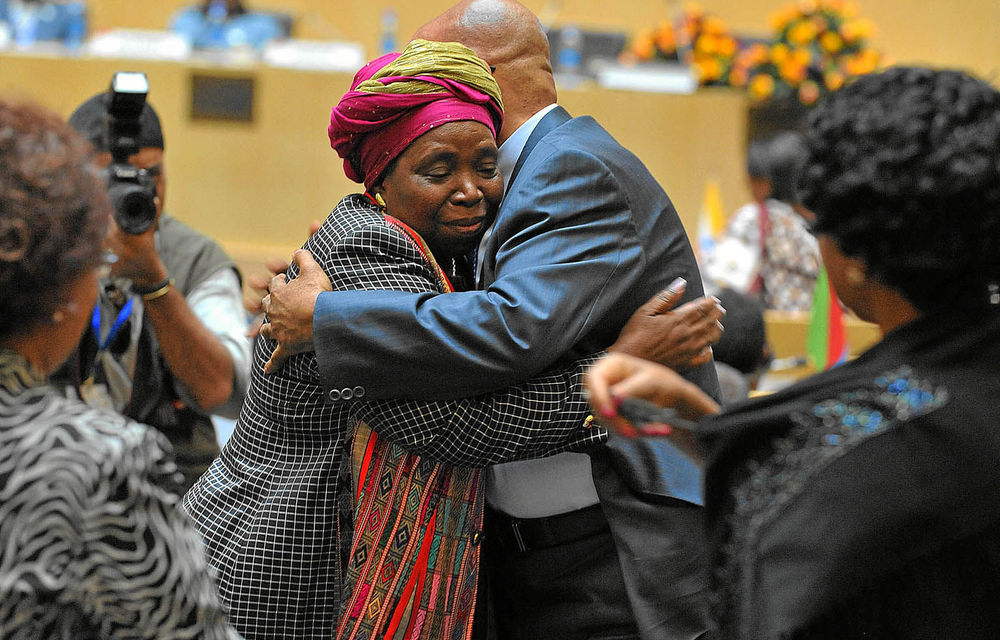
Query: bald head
x=507 y=35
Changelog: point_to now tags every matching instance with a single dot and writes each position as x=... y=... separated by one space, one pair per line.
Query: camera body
x=131 y=190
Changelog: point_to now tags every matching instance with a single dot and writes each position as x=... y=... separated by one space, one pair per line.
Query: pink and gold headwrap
x=399 y=97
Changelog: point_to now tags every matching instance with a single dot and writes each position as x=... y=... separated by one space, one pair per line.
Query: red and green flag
x=826 y=345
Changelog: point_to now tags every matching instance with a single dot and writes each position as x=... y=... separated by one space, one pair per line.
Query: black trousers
x=553 y=578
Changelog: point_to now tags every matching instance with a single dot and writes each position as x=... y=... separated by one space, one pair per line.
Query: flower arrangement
x=696 y=38
x=818 y=44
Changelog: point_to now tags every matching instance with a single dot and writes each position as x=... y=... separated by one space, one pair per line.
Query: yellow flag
x=711 y=218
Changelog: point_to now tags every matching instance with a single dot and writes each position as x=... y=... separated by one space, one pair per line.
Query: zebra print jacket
x=92 y=544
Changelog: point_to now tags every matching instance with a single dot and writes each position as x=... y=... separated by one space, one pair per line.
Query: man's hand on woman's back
x=678 y=338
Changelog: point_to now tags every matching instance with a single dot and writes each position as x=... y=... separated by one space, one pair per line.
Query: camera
x=131 y=190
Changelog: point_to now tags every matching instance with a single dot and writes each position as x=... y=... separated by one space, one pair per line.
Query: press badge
x=96 y=394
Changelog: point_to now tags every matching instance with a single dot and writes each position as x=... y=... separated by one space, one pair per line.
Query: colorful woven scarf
x=414 y=559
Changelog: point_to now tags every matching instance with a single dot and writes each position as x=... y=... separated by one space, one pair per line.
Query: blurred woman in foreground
x=865 y=501
x=91 y=542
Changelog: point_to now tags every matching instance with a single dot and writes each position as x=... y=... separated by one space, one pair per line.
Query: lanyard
x=95 y=322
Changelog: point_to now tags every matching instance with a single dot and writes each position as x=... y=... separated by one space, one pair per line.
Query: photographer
x=170 y=347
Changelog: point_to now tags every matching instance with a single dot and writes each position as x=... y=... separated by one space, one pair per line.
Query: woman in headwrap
x=310 y=518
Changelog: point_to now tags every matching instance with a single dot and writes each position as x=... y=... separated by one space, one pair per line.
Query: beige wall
x=256 y=186
x=962 y=33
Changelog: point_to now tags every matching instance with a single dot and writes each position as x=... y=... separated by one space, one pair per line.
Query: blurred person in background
x=31 y=21
x=224 y=24
x=864 y=502
x=92 y=544
x=767 y=249
x=167 y=343
x=742 y=353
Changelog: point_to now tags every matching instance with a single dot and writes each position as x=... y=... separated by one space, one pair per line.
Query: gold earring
x=57 y=316
x=854 y=275
x=380 y=200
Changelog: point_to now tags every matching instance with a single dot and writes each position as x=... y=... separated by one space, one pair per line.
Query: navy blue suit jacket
x=585 y=235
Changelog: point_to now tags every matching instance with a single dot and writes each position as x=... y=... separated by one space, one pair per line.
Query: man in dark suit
x=584 y=236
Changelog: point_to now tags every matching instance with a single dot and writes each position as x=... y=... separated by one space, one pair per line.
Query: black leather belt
x=526 y=534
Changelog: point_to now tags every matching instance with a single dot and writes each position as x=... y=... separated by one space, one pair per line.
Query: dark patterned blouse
x=91 y=542
x=864 y=502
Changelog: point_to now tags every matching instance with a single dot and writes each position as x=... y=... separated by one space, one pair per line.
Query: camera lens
x=135 y=210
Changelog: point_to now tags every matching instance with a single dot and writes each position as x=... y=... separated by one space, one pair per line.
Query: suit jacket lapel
x=551 y=120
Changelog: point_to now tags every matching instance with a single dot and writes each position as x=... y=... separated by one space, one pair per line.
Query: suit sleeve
x=546 y=414
x=563 y=272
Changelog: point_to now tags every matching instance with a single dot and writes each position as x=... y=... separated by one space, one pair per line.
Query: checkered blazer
x=275 y=508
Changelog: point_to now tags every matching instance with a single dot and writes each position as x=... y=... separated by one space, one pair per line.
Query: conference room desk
x=255 y=185
x=787 y=332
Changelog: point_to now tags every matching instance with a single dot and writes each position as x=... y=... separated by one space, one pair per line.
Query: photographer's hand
x=193 y=354
x=137 y=257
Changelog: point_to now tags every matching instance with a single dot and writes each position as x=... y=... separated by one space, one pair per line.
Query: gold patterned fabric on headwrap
x=443 y=60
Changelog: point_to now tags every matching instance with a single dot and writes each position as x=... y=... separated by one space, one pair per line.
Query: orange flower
x=802 y=33
x=708 y=70
x=854 y=30
x=792 y=72
x=833 y=80
x=727 y=47
x=779 y=53
x=761 y=86
x=863 y=62
x=706 y=45
x=801 y=56
x=758 y=53
x=849 y=31
x=644 y=45
x=808 y=92
x=664 y=39
x=738 y=76
x=831 y=42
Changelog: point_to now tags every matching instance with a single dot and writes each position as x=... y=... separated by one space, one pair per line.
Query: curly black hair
x=54 y=213
x=904 y=173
